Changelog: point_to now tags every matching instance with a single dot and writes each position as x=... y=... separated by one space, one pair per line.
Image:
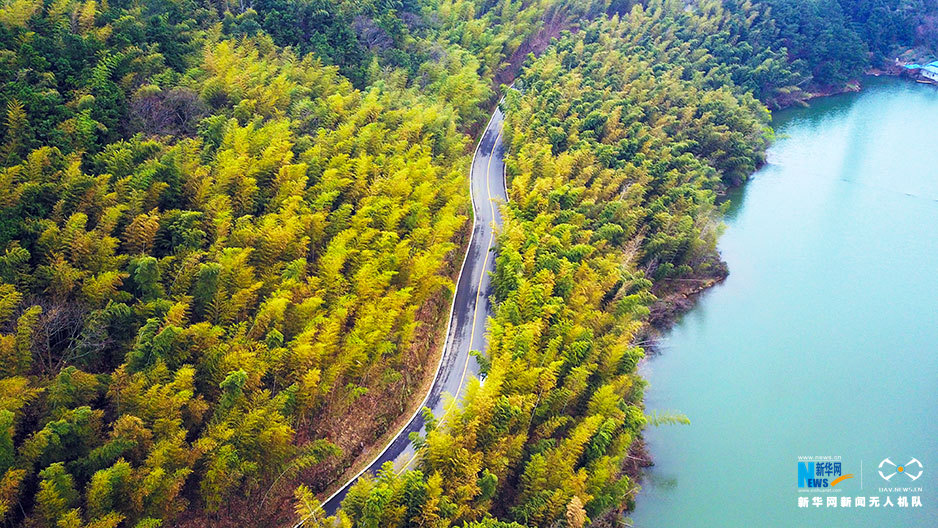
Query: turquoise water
x=824 y=338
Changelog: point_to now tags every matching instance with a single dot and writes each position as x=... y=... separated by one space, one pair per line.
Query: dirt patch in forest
x=555 y=22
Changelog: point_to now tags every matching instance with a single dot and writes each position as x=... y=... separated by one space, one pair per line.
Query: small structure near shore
x=931 y=71
x=928 y=71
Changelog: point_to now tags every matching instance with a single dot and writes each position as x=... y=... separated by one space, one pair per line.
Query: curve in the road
x=469 y=310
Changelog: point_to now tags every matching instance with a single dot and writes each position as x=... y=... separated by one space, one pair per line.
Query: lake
x=823 y=340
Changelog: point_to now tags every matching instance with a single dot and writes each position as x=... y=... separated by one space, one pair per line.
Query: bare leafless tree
x=174 y=112
x=371 y=34
x=66 y=333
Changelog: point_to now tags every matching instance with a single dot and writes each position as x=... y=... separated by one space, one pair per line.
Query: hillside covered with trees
x=229 y=232
x=224 y=267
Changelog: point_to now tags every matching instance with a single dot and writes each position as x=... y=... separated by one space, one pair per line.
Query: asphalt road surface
x=470 y=309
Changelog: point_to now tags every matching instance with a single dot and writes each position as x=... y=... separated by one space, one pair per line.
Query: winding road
x=470 y=309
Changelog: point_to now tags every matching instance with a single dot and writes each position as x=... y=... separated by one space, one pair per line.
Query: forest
x=229 y=233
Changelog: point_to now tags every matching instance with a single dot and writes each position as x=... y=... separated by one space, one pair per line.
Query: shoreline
x=681 y=296
x=755 y=345
x=855 y=85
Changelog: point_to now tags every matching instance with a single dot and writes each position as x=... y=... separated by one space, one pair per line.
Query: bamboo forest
x=231 y=233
